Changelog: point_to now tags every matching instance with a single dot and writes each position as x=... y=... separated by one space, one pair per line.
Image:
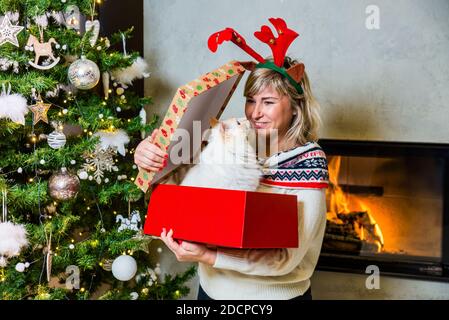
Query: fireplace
x=388 y=205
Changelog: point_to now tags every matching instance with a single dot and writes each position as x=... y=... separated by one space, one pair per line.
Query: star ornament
x=9 y=32
x=40 y=110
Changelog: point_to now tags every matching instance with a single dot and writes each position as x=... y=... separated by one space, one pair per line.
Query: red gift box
x=225 y=218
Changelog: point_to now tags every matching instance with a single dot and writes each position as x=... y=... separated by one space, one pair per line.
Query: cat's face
x=236 y=134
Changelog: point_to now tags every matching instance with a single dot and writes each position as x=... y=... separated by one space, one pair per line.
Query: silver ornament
x=84 y=74
x=56 y=139
x=63 y=186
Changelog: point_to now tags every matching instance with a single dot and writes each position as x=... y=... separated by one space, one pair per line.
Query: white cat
x=229 y=161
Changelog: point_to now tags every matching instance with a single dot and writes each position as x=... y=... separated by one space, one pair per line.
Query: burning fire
x=353 y=218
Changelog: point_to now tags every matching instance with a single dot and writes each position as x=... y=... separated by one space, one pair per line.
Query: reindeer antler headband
x=278 y=45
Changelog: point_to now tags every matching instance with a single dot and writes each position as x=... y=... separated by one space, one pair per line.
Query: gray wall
x=389 y=84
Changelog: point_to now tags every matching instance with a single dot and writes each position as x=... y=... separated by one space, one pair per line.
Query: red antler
x=230 y=34
x=280 y=44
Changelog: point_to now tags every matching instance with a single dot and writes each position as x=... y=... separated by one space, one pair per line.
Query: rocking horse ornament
x=279 y=46
x=42 y=49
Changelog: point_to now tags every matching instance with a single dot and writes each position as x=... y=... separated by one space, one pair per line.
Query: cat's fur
x=229 y=161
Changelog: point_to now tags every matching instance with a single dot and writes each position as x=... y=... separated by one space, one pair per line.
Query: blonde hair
x=306 y=122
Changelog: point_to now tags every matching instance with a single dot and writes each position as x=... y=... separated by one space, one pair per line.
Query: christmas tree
x=69 y=122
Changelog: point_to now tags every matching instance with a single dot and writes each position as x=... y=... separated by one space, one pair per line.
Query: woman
x=299 y=168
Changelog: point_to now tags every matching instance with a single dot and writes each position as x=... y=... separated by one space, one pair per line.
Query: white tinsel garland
x=13 y=106
x=114 y=139
x=138 y=70
x=12 y=240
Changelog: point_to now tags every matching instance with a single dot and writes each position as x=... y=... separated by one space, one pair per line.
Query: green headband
x=282 y=71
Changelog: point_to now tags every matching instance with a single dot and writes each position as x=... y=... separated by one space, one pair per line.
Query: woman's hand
x=148 y=156
x=188 y=251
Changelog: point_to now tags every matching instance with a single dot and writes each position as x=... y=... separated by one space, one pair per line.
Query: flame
x=366 y=227
x=338 y=199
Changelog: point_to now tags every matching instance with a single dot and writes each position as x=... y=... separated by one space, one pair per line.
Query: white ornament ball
x=84 y=74
x=64 y=47
x=65 y=111
x=106 y=180
x=124 y=268
x=120 y=91
x=91 y=178
x=102 y=230
x=159 y=250
x=58 y=46
x=134 y=295
x=56 y=140
x=134 y=166
x=72 y=162
x=83 y=175
x=71 y=246
x=118 y=109
x=42 y=161
x=20 y=170
x=27 y=264
x=99 y=48
x=100 y=116
x=20 y=267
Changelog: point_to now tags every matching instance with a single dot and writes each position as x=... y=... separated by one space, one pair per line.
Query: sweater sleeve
x=278 y=262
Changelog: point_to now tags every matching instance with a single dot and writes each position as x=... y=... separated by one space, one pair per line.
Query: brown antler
x=230 y=34
x=278 y=45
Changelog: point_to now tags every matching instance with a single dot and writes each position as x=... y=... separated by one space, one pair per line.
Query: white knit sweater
x=275 y=274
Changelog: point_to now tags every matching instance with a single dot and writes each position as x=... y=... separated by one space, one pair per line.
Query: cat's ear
x=213 y=122
x=222 y=127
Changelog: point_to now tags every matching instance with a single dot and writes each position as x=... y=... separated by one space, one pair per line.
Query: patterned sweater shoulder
x=301 y=167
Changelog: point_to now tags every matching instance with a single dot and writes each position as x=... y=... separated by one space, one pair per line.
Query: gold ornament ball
x=63 y=186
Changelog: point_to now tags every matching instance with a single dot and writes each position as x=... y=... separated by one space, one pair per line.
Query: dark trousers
x=306 y=296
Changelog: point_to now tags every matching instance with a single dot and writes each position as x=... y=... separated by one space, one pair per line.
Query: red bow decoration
x=278 y=45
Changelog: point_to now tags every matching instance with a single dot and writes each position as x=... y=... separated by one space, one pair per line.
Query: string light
x=82 y=290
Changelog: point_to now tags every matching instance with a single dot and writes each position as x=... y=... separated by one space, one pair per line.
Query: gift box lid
x=200 y=100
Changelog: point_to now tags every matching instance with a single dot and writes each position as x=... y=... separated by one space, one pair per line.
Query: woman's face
x=269 y=110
